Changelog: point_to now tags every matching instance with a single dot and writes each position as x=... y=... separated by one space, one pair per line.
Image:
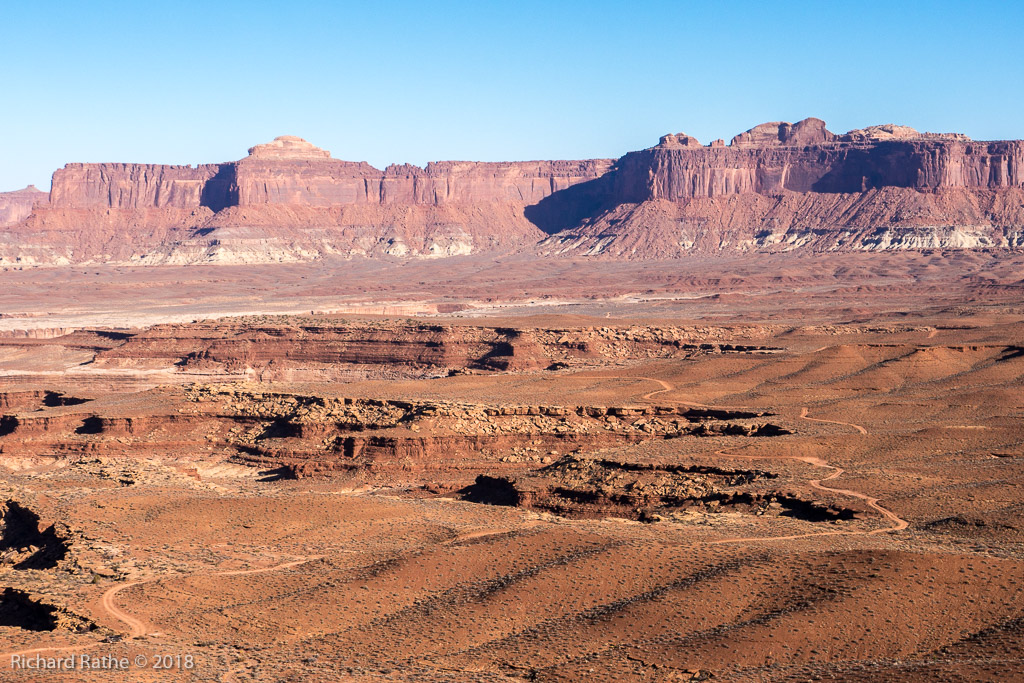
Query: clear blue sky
x=395 y=81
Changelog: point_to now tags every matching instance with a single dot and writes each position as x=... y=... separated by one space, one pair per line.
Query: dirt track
x=898 y=524
x=411 y=580
x=137 y=628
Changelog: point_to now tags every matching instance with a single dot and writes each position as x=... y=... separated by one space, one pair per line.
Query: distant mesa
x=18 y=205
x=778 y=186
x=288 y=148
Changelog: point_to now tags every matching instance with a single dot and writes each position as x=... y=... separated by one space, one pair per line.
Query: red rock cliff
x=16 y=206
x=782 y=186
x=132 y=186
x=776 y=186
x=291 y=171
x=804 y=157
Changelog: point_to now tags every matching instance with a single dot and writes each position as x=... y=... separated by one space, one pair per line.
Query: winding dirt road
x=665 y=386
x=136 y=627
x=803 y=415
x=898 y=523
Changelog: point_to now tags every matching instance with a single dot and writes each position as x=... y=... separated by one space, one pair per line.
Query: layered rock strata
x=305 y=434
x=18 y=205
x=778 y=186
x=533 y=456
x=286 y=202
x=782 y=186
x=296 y=349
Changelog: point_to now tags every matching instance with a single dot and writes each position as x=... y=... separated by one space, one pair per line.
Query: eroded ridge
x=306 y=434
x=320 y=347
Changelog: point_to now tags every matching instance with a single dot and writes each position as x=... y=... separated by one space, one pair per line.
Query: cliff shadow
x=19 y=610
x=892 y=164
x=491 y=491
x=568 y=208
x=20 y=530
x=221 y=190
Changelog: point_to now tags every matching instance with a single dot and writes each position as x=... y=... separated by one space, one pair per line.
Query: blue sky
x=396 y=81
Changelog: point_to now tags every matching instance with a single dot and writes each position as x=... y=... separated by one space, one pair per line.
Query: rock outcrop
x=780 y=133
x=287 y=201
x=290 y=148
x=776 y=186
x=307 y=434
x=678 y=140
x=892 y=131
x=16 y=206
x=588 y=488
x=782 y=186
x=296 y=349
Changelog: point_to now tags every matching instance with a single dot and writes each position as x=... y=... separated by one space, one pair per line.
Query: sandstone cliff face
x=296 y=173
x=783 y=186
x=678 y=173
x=339 y=183
x=776 y=186
x=134 y=186
x=287 y=201
x=16 y=206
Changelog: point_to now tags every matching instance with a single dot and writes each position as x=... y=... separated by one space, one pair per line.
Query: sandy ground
x=756 y=288
x=912 y=414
